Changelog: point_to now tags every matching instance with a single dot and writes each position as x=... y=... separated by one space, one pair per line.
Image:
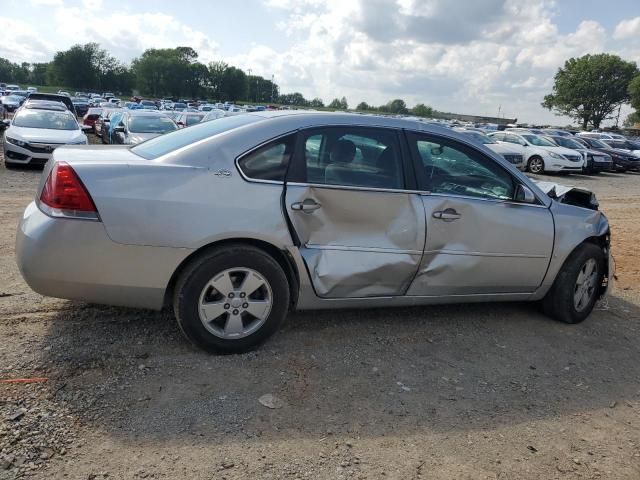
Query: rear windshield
x=170 y=142
x=148 y=124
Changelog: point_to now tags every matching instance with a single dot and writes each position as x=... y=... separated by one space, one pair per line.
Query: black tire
x=535 y=158
x=193 y=280
x=559 y=301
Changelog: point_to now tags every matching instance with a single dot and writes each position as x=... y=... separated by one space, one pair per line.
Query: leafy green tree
x=296 y=99
x=632 y=119
x=422 y=110
x=214 y=79
x=634 y=92
x=364 y=106
x=397 y=106
x=234 y=84
x=339 y=103
x=316 y=103
x=591 y=88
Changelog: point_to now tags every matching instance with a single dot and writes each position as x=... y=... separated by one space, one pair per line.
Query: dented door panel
x=358 y=243
x=491 y=247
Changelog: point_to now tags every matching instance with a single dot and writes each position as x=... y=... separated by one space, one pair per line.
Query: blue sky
x=465 y=56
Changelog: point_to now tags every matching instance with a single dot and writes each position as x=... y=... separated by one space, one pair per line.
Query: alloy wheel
x=536 y=165
x=585 y=286
x=235 y=303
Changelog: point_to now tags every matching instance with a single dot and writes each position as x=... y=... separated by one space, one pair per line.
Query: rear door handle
x=448 y=215
x=308 y=205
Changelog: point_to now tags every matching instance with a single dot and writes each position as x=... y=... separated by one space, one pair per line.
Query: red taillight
x=63 y=190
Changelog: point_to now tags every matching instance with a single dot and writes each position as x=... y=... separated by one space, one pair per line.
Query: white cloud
x=627 y=29
x=46 y=3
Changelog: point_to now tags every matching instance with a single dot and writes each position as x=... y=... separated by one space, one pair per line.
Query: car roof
x=144 y=113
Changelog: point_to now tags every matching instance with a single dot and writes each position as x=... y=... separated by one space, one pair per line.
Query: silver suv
x=236 y=222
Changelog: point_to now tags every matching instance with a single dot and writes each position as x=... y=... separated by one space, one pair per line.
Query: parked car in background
x=11 y=102
x=556 y=132
x=63 y=92
x=108 y=129
x=213 y=114
x=187 y=119
x=595 y=161
x=89 y=119
x=81 y=105
x=362 y=222
x=510 y=152
x=178 y=106
x=35 y=132
x=53 y=98
x=622 y=159
x=32 y=89
x=101 y=124
x=107 y=95
x=11 y=88
x=626 y=145
x=542 y=155
x=139 y=125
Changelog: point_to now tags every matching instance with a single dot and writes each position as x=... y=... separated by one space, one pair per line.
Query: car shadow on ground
x=376 y=372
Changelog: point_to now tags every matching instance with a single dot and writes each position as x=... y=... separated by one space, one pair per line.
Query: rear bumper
x=75 y=259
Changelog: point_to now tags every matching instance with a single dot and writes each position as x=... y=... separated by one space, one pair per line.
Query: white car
x=510 y=153
x=11 y=88
x=36 y=131
x=541 y=155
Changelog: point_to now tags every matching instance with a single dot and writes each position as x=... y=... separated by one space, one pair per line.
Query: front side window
x=538 y=141
x=451 y=169
x=513 y=139
x=351 y=156
x=269 y=162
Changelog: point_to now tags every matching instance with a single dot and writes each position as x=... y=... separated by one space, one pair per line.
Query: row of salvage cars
x=236 y=222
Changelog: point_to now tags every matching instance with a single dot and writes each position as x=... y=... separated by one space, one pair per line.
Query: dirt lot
x=495 y=391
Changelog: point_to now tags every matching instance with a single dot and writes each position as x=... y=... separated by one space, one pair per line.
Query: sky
x=484 y=57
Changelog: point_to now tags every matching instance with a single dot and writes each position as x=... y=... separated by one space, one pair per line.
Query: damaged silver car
x=236 y=222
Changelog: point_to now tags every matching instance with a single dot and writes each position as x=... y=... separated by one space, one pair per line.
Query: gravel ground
x=467 y=391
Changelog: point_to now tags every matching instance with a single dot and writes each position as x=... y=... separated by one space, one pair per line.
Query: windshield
x=479 y=137
x=537 y=141
x=193 y=119
x=568 y=143
x=145 y=124
x=181 y=138
x=179 y=105
x=597 y=143
x=13 y=98
x=41 y=119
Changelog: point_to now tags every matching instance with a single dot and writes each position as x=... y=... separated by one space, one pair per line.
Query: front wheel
x=231 y=299
x=535 y=165
x=576 y=288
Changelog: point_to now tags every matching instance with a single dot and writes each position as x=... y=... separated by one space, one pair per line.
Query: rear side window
x=269 y=162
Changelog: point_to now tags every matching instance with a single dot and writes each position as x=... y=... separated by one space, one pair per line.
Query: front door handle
x=448 y=215
x=308 y=205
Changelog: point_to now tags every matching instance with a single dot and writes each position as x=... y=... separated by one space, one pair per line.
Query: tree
x=364 y=106
x=339 y=103
x=397 y=106
x=632 y=120
x=422 y=110
x=234 y=84
x=214 y=79
x=591 y=88
x=296 y=99
x=316 y=103
x=634 y=92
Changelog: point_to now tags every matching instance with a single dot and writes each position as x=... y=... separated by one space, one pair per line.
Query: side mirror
x=524 y=195
x=119 y=129
x=180 y=124
x=85 y=128
x=6 y=123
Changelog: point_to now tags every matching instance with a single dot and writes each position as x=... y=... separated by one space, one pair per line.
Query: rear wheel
x=575 y=290
x=231 y=299
x=535 y=165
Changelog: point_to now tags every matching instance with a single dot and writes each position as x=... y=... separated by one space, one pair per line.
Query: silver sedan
x=238 y=221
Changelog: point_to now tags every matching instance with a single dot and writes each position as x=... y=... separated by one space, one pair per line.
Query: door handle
x=308 y=205
x=448 y=215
